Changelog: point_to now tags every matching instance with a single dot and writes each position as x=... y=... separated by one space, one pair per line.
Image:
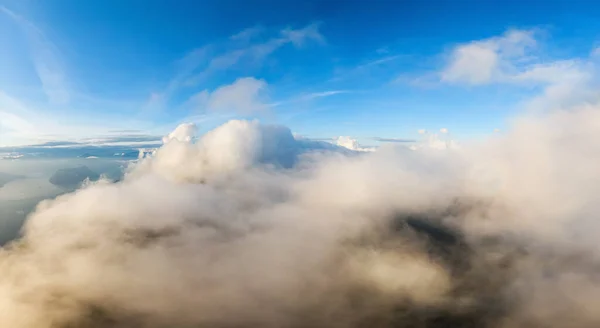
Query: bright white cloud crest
x=184 y=133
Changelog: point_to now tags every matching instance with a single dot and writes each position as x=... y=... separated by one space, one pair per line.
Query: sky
x=373 y=70
x=163 y=163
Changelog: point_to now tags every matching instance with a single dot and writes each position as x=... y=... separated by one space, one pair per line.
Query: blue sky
x=74 y=70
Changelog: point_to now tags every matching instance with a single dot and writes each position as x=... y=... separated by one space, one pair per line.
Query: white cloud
x=561 y=71
x=513 y=59
x=352 y=144
x=238 y=50
x=364 y=68
x=248 y=34
x=488 y=60
x=323 y=94
x=183 y=133
x=394 y=140
x=246 y=216
x=255 y=53
x=307 y=97
x=382 y=50
x=300 y=36
x=510 y=58
x=46 y=59
x=244 y=96
x=438 y=141
x=565 y=83
x=473 y=64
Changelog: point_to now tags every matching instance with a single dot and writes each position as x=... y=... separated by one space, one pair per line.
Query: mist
x=249 y=227
x=24 y=182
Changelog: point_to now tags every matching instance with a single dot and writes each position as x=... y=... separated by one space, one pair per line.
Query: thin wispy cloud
x=378 y=61
x=256 y=53
x=46 y=59
x=104 y=140
x=309 y=97
x=365 y=68
x=248 y=34
x=300 y=36
x=382 y=50
x=399 y=140
x=200 y=64
x=322 y=94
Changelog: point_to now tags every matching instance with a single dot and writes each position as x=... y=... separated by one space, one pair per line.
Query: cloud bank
x=249 y=227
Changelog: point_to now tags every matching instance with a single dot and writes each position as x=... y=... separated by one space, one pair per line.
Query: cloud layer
x=248 y=226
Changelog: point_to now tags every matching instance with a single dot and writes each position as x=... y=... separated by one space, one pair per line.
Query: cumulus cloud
x=184 y=133
x=438 y=141
x=351 y=143
x=248 y=226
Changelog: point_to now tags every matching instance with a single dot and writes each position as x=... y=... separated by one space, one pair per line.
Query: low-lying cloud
x=249 y=227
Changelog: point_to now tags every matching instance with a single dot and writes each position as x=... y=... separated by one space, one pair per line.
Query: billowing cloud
x=248 y=226
x=184 y=133
x=351 y=143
